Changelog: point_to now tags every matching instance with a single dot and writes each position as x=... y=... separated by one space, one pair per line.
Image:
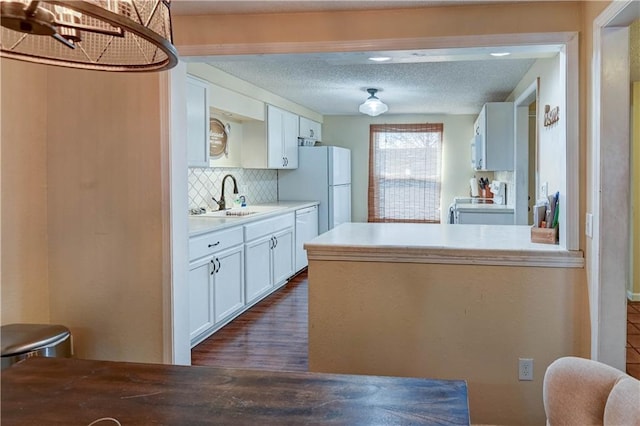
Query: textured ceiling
x=332 y=85
x=451 y=81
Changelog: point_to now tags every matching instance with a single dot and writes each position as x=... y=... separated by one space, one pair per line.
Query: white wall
x=551 y=140
x=353 y=132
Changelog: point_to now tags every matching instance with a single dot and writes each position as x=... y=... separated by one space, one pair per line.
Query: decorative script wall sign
x=551 y=116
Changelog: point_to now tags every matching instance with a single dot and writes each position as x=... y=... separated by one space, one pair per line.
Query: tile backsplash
x=257 y=185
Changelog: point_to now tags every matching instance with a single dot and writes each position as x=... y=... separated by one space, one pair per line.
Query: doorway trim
x=610 y=173
x=522 y=160
x=174 y=345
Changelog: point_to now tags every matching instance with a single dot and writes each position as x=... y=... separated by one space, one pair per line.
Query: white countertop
x=436 y=243
x=200 y=225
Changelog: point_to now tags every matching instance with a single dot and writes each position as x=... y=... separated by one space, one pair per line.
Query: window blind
x=405 y=162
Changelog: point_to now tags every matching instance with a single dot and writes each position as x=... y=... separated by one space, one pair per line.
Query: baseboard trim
x=634 y=297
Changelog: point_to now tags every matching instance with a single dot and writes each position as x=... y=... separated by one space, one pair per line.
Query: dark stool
x=20 y=341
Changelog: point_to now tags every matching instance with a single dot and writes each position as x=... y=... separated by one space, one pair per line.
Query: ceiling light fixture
x=499 y=54
x=379 y=58
x=105 y=35
x=373 y=106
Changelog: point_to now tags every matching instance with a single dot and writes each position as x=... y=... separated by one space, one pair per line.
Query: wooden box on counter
x=544 y=235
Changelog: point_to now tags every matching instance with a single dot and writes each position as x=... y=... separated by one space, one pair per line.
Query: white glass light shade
x=106 y=35
x=373 y=106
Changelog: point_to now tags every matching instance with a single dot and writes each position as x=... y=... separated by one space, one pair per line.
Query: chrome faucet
x=222 y=205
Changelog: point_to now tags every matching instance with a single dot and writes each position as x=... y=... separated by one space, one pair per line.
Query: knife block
x=486 y=195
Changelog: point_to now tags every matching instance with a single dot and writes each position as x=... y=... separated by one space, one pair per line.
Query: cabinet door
x=228 y=282
x=499 y=136
x=317 y=130
x=309 y=129
x=275 y=136
x=282 y=256
x=201 y=315
x=306 y=230
x=290 y=140
x=257 y=267
x=197 y=122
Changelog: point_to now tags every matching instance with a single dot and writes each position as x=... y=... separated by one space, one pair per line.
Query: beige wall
x=325 y=27
x=353 y=132
x=590 y=11
x=105 y=212
x=449 y=322
x=634 y=283
x=24 y=279
x=634 y=54
x=634 y=50
x=82 y=240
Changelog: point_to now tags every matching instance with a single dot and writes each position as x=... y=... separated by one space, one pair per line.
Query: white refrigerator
x=323 y=174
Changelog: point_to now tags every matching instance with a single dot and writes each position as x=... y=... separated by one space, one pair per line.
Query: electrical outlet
x=525 y=369
x=544 y=190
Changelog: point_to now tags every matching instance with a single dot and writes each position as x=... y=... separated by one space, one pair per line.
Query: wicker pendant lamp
x=106 y=35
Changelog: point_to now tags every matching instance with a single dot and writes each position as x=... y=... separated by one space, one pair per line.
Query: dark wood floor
x=272 y=335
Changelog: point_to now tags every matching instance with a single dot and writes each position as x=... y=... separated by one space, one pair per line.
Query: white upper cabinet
x=197 y=122
x=273 y=148
x=310 y=129
x=493 y=142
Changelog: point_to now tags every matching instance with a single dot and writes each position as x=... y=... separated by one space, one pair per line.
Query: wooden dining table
x=67 y=391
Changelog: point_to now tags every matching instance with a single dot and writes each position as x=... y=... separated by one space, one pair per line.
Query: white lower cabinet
x=282 y=256
x=201 y=315
x=216 y=281
x=215 y=289
x=231 y=269
x=258 y=267
x=228 y=283
x=268 y=253
x=306 y=230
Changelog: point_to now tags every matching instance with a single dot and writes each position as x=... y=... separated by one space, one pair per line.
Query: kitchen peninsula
x=447 y=302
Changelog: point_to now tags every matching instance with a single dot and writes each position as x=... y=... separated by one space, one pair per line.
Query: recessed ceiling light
x=379 y=58
x=498 y=54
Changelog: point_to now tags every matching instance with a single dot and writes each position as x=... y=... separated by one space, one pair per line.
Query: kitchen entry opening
x=405 y=168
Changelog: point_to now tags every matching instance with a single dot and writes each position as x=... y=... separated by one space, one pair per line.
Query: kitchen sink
x=227 y=213
x=240 y=212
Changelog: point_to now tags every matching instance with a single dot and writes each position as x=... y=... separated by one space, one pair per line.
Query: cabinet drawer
x=213 y=242
x=268 y=226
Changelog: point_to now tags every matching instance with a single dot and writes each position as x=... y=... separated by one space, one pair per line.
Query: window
x=405 y=161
